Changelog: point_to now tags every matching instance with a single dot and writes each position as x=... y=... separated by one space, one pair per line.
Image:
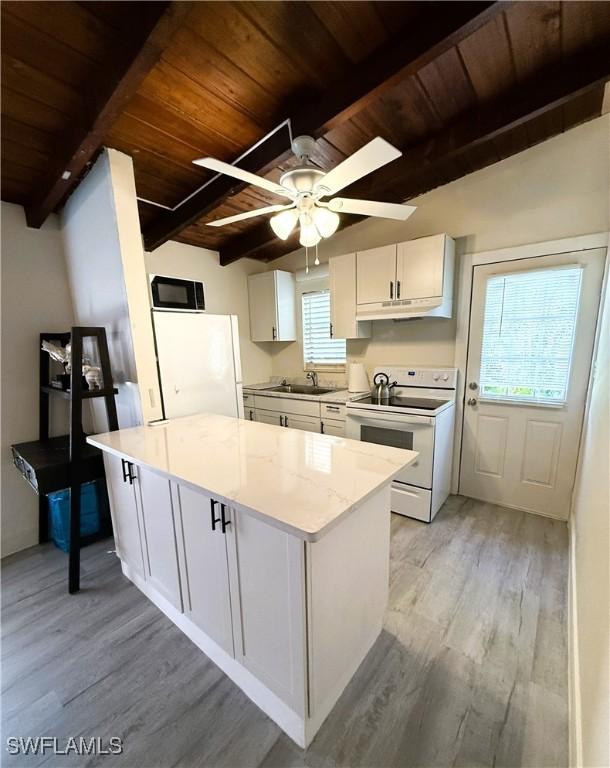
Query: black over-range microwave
x=176 y=294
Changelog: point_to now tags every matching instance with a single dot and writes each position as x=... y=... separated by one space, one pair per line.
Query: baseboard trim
x=574 y=700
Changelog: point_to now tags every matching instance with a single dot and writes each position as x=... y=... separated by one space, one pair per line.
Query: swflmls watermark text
x=73 y=745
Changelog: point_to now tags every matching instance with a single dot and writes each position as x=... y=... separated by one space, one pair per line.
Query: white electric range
x=420 y=417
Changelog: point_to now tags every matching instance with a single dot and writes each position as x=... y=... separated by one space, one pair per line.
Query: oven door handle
x=399 y=421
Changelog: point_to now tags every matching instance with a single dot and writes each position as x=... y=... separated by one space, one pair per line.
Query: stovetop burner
x=421 y=403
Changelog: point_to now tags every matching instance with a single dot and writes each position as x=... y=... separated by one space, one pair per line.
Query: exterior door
x=125 y=518
x=206 y=594
x=532 y=328
x=376 y=275
x=196 y=363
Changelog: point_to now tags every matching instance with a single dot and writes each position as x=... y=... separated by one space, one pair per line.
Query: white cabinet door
x=285 y=298
x=342 y=278
x=307 y=423
x=263 y=317
x=376 y=275
x=267 y=573
x=161 y=554
x=250 y=413
x=271 y=298
x=125 y=517
x=206 y=578
x=270 y=417
x=419 y=270
x=333 y=427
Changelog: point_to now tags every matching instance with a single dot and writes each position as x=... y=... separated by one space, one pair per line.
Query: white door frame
x=467 y=263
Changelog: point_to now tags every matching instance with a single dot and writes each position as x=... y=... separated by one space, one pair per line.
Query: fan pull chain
x=317 y=260
x=306 y=260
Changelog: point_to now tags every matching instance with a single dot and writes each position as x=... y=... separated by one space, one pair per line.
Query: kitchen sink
x=300 y=389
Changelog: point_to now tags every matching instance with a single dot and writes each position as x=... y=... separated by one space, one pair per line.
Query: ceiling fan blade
x=369 y=158
x=248 y=215
x=371 y=208
x=237 y=173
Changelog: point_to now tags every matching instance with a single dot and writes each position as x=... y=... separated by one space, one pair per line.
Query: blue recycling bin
x=59 y=514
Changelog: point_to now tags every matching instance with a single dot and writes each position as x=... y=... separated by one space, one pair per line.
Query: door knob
x=472 y=401
x=473 y=385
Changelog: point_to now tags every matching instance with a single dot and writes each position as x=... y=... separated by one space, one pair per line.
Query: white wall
x=590 y=571
x=553 y=190
x=226 y=292
x=105 y=259
x=35 y=298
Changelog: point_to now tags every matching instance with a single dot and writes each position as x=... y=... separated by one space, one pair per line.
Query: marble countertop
x=337 y=396
x=301 y=482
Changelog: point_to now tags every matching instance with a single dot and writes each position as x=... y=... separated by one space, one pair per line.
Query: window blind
x=528 y=334
x=318 y=347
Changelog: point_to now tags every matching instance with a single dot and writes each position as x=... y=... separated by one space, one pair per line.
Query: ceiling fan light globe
x=283 y=223
x=309 y=232
x=326 y=221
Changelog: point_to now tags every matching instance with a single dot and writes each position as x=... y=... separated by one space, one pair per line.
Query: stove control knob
x=435 y=376
x=445 y=377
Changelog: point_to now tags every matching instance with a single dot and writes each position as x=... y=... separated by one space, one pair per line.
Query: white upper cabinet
x=407 y=280
x=271 y=297
x=342 y=273
x=376 y=275
x=420 y=266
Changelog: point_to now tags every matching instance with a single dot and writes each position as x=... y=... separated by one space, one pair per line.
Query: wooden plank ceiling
x=456 y=86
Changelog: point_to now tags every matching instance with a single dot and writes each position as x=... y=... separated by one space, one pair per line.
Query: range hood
x=406 y=309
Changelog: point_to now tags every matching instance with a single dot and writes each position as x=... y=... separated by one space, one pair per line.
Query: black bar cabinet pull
x=398 y=289
x=391 y=289
x=131 y=476
x=124 y=466
x=224 y=522
x=215 y=520
x=273 y=333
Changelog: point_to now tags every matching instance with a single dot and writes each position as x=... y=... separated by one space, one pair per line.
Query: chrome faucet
x=313 y=377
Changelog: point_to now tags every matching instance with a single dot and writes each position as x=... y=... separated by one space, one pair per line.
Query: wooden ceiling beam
x=409 y=175
x=106 y=100
x=406 y=53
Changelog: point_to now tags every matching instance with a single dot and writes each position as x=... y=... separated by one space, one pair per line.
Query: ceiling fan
x=305 y=186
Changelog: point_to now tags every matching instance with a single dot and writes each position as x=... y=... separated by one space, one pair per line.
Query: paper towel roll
x=357 y=380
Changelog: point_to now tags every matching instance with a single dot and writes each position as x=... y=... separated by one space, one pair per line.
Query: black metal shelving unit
x=53 y=463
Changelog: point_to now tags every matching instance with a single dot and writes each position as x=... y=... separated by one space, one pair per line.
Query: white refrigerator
x=199 y=363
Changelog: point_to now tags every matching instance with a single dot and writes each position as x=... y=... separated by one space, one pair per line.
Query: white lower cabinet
x=270 y=417
x=160 y=545
x=307 y=423
x=334 y=427
x=207 y=599
x=267 y=572
x=126 y=521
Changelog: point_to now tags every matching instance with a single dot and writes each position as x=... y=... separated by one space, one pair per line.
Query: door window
x=528 y=334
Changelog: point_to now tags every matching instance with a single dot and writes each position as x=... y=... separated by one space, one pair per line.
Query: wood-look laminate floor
x=471 y=669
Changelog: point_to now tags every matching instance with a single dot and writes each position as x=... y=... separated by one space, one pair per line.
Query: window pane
x=528 y=334
x=318 y=347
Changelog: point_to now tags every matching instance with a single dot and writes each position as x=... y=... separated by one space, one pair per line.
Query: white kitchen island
x=268 y=547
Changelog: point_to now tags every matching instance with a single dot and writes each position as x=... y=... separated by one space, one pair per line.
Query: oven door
x=173 y=293
x=414 y=433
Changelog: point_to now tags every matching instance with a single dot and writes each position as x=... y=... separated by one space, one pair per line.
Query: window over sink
x=320 y=350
